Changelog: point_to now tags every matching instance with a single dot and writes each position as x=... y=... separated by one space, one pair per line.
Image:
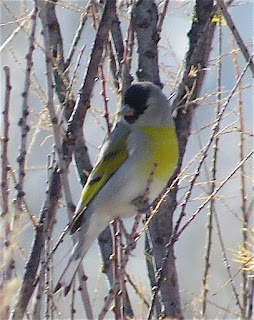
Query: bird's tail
x=65 y=281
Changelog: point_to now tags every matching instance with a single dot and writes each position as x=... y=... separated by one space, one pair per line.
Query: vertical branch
x=51 y=110
x=82 y=103
x=127 y=59
x=25 y=112
x=104 y=94
x=77 y=37
x=8 y=265
x=116 y=51
x=116 y=264
x=131 y=244
x=236 y=34
x=4 y=155
x=102 y=76
x=213 y=182
x=245 y=215
x=227 y=265
x=145 y=18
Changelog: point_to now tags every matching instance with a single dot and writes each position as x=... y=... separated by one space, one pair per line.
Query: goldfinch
x=143 y=142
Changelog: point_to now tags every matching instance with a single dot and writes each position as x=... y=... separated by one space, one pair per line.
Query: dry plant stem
x=103 y=79
x=251 y=299
x=213 y=184
x=25 y=112
x=116 y=51
x=82 y=103
x=162 y=16
x=245 y=225
x=236 y=34
x=117 y=39
x=178 y=233
x=37 y=304
x=48 y=298
x=227 y=265
x=73 y=297
x=104 y=94
x=125 y=69
x=6 y=274
x=84 y=293
x=75 y=72
x=136 y=289
x=116 y=263
x=21 y=25
x=52 y=113
x=55 y=42
x=131 y=244
x=4 y=155
x=77 y=37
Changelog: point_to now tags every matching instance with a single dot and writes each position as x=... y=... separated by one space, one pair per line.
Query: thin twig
x=77 y=37
x=131 y=244
x=116 y=263
x=105 y=98
x=21 y=25
x=213 y=183
x=245 y=217
x=215 y=129
x=4 y=155
x=226 y=261
x=125 y=67
x=236 y=34
x=102 y=75
x=162 y=16
x=25 y=112
x=178 y=233
x=82 y=103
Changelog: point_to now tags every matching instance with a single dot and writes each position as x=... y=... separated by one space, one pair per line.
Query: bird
x=142 y=147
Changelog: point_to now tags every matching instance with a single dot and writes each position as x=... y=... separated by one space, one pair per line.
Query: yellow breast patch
x=163 y=150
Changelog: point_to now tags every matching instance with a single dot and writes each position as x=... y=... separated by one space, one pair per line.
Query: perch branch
x=25 y=112
x=4 y=155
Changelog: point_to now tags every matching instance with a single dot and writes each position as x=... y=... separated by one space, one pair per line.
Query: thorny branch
x=4 y=155
x=6 y=275
x=25 y=112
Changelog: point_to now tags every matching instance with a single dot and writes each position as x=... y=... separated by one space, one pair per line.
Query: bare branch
x=77 y=37
x=236 y=34
x=145 y=18
x=4 y=155
x=82 y=103
x=25 y=112
x=213 y=184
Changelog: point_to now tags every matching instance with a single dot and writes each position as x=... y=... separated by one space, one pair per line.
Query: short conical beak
x=126 y=111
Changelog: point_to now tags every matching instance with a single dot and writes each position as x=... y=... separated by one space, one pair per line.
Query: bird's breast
x=163 y=152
